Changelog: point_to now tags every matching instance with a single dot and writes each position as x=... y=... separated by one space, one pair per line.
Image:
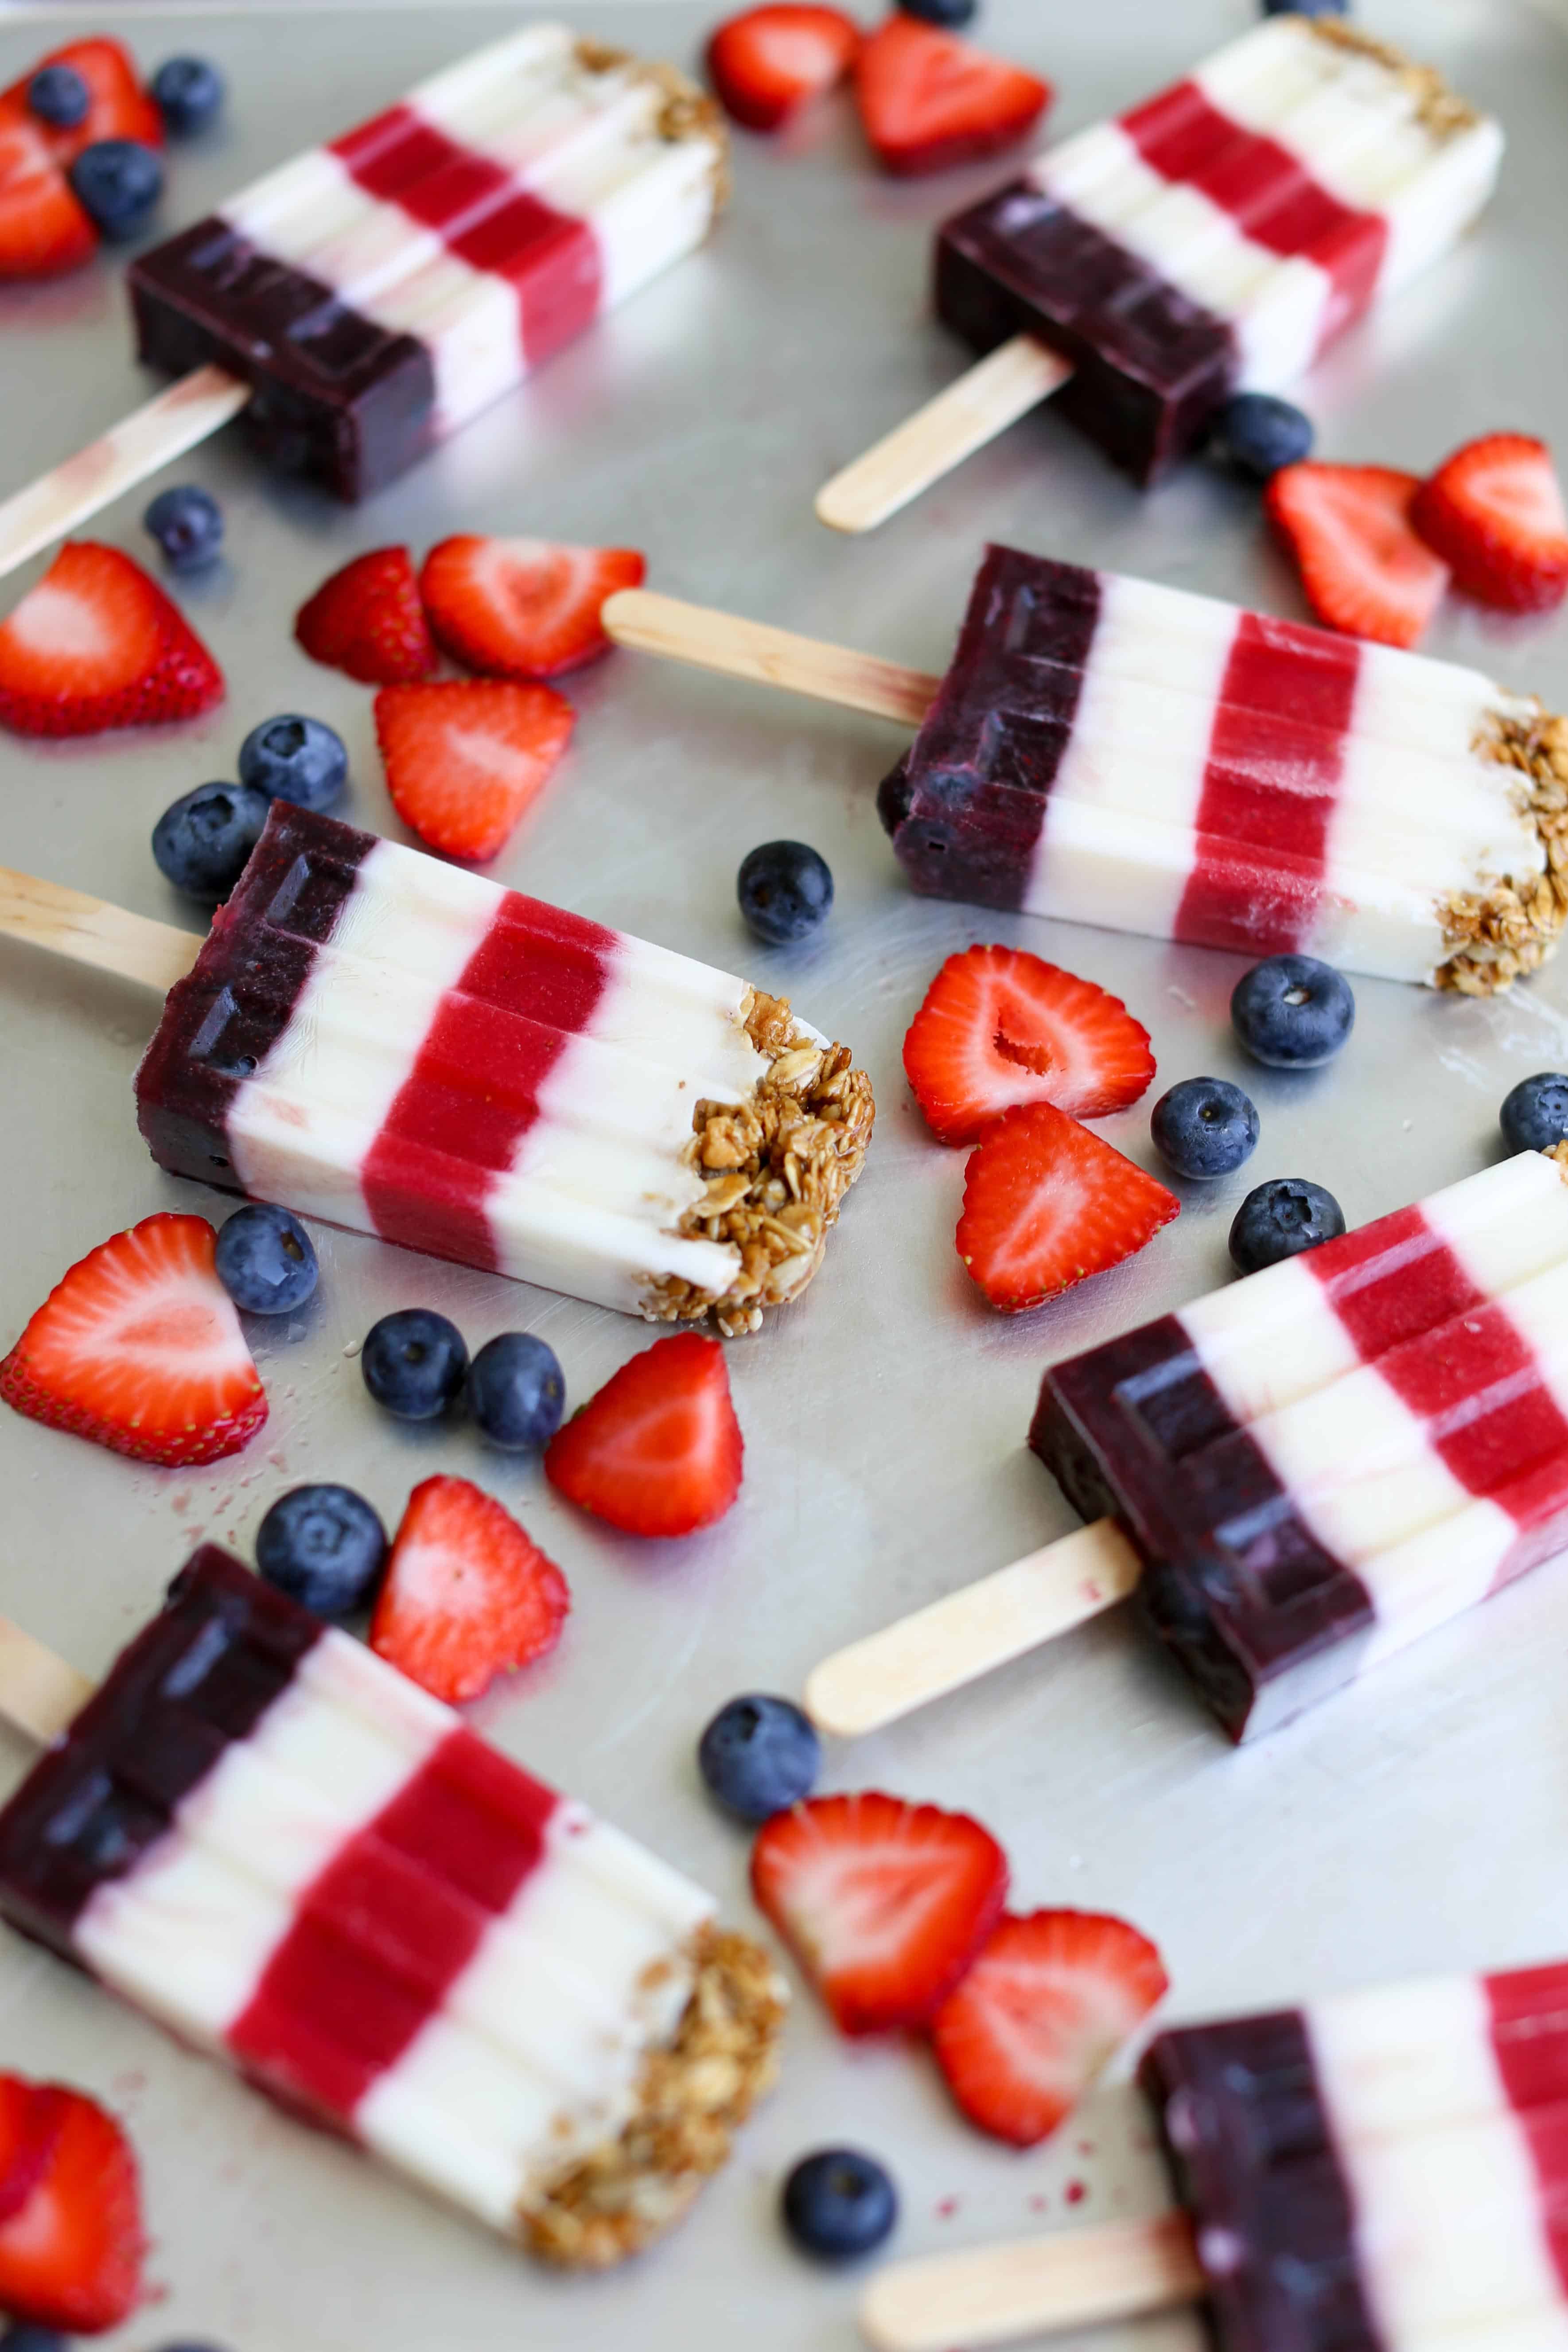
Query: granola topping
x=1439 y=109
x=1511 y=928
x=687 y=112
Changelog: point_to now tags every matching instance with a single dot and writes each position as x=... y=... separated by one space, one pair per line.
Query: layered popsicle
x=399 y=1045
x=266 y=1838
x=1108 y=751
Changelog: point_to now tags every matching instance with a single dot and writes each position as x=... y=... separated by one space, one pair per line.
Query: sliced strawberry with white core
x=1362 y=567
x=118 y=106
x=1047 y=2004
x=1047 y=1204
x=96 y=645
x=71 y=2238
x=367 y=620
x=658 y=1451
x=928 y=100
x=465 y=756
x=1000 y=1026
x=43 y=229
x=468 y=1594
x=524 y=607
x=1494 y=511
x=769 y=62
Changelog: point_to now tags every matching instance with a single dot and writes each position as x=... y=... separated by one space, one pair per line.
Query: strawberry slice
x=1045 y=1204
x=522 y=607
x=884 y=1904
x=119 y=107
x=1363 y=568
x=1001 y=1026
x=465 y=756
x=659 y=1451
x=71 y=2240
x=98 y=644
x=769 y=62
x=367 y=619
x=1044 y=2009
x=928 y=100
x=1494 y=511
x=139 y=1348
x=43 y=229
x=468 y=1594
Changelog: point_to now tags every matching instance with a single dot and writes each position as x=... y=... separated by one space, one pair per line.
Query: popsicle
x=369 y=298
x=1301 y=1473
x=1212 y=240
x=299 y=1861
x=1381 y=2171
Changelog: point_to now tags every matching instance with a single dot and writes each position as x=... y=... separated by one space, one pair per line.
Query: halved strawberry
x=1363 y=568
x=1044 y=2009
x=928 y=100
x=769 y=62
x=98 y=644
x=367 y=619
x=71 y=2240
x=659 y=1451
x=884 y=1904
x=466 y=756
x=522 y=607
x=468 y=1594
x=119 y=107
x=139 y=1348
x=1001 y=1026
x=1494 y=511
x=1045 y=1204
x=43 y=229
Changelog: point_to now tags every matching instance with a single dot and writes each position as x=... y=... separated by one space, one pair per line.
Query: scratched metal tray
x=1418 y=1820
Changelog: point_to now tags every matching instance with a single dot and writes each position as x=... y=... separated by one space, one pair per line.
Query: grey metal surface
x=1419 y=1821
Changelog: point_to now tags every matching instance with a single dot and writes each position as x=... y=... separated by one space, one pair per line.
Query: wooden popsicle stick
x=995 y=2294
x=993 y=395
x=968 y=1633
x=88 y=930
x=38 y=1692
x=750 y=649
x=161 y=429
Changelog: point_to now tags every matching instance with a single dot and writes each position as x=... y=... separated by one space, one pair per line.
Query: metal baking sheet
x=1415 y=1821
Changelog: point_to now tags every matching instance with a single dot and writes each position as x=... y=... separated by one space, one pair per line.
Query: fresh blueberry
x=1260 y=433
x=295 y=759
x=1292 y=1012
x=1280 y=1219
x=266 y=1259
x=26 y=2338
x=786 y=891
x=117 y=181
x=187 y=524
x=324 y=1546
x=1306 y=8
x=188 y=93
x=838 y=2203
x=760 y=1755
x=413 y=1363
x=202 y=841
x=1534 y=1114
x=1204 y=1126
x=58 y=95
x=950 y=12
x=516 y=1392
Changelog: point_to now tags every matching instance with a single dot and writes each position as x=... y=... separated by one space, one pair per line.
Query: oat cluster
x=1439 y=109
x=687 y=112
x=1494 y=936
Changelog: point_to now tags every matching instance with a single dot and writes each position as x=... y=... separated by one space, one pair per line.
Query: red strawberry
x=98 y=644
x=1494 y=511
x=367 y=620
x=659 y=1450
x=884 y=1904
x=465 y=756
x=1001 y=1026
x=928 y=100
x=1045 y=1204
x=1361 y=565
x=769 y=63
x=71 y=2242
x=43 y=229
x=468 y=1594
x=120 y=107
x=520 y=607
x=1042 y=2010
x=139 y=1348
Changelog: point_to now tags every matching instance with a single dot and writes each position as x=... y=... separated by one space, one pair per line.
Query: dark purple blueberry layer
x=1152 y=369
x=221 y=1021
x=199 y=1677
x=336 y=397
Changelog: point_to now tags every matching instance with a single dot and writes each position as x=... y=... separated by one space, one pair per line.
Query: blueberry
x=26 y=2338
x=1306 y=8
x=786 y=891
x=324 y=1546
x=1292 y=1012
x=266 y=1259
x=1259 y=433
x=950 y=12
x=1534 y=1114
x=413 y=1363
x=117 y=181
x=202 y=841
x=840 y=2202
x=295 y=759
x=516 y=1392
x=1204 y=1126
x=188 y=93
x=187 y=524
x=1280 y=1219
x=58 y=95
x=760 y=1755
